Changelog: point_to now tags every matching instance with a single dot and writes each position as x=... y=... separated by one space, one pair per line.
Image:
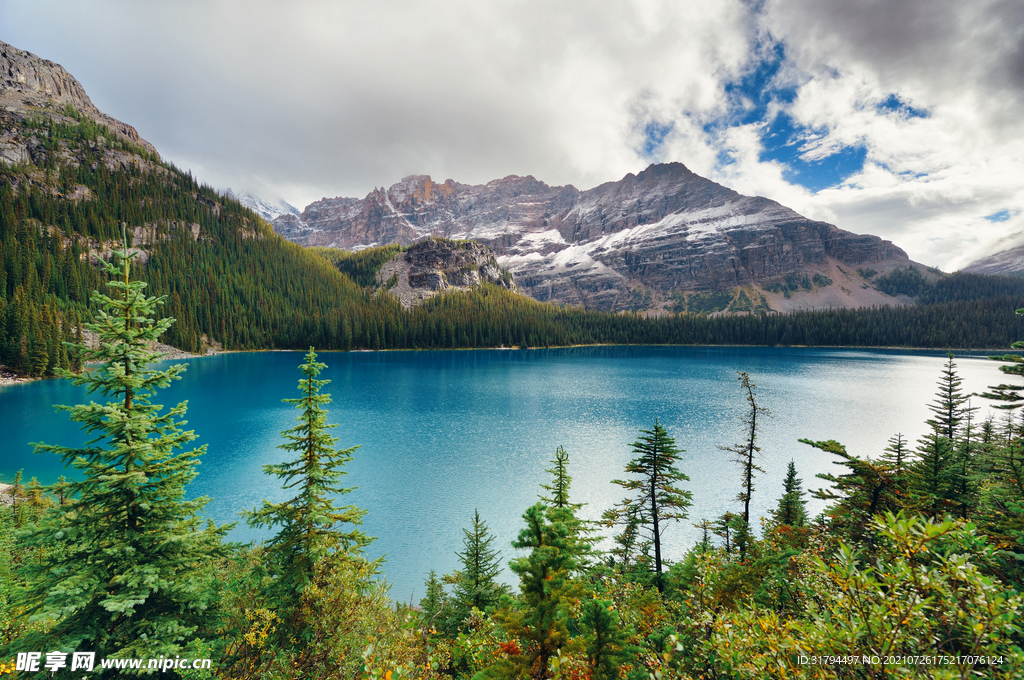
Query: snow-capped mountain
x=663 y=230
x=265 y=209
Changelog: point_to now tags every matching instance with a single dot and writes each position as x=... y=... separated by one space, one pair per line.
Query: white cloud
x=317 y=98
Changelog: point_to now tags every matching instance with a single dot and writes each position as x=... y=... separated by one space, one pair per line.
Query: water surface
x=443 y=433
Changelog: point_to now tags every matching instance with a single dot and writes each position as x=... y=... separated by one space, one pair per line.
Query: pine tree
x=560 y=483
x=792 y=508
x=608 y=642
x=864 y=490
x=746 y=454
x=559 y=498
x=16 y=502
x=930 y=474
x=897 y=455
x=309 y=521
x=725 y=528
x=475 y=584
x=124 y=564
x=540 y=619
x=658 y=500
x=1010 y=394
x=435 y=601
x=949 y=406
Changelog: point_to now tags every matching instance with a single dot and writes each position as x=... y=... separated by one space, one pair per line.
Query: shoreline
x=9 y=377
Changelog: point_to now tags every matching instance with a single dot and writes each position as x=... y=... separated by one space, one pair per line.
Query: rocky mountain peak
x=665 y=230
x=29 y=83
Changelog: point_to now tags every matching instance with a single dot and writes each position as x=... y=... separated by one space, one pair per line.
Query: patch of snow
x=265 y=209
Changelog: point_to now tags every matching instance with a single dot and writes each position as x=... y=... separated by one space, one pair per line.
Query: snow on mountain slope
x=663 y=230
x=265 y=209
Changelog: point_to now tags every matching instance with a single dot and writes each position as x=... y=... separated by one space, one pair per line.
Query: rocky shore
x=9 y=377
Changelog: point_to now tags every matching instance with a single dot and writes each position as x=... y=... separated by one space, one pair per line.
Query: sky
x=899 y=118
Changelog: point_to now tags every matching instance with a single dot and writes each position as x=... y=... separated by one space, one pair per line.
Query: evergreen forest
x=915 y=568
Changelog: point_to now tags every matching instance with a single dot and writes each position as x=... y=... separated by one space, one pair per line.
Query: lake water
x=445 y=433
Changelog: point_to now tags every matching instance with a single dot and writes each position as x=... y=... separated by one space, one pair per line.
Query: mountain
x=1009 y=261
x=75 y=184
x=71 y=176
x=28 y=84
x=663 y=233
x=265 y=209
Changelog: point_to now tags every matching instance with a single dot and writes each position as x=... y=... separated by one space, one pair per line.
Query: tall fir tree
x=897 y=455
x=1007 y=393
x=558 y=497
x=540 y=619
x=658 y=501
x=124 y=565
x=608 y=641
x=475 y=584
x=931 y=474
x=558 y=489
x=309 y=522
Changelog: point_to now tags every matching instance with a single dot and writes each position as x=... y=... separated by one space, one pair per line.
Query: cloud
x=899 y=119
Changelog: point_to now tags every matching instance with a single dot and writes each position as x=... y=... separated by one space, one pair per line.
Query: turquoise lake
x=443 y=433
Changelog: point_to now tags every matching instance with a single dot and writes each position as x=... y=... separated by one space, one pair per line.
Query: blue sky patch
x=1001 y=216
x=752 y=97
x=893 y=104
x=654 y=136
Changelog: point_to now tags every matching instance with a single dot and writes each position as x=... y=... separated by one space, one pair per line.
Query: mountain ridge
x=663 y=230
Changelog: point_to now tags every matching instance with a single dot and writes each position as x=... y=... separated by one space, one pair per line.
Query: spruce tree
x=792 y=508
x=475 y=584
x=865 y=489
x=540 y=619
x=309 y=521
x=123 y=565
x=559 y=498
x=1009 y=394
x=435 y=601
x=931 y=474
x=658 y=500
x=560 y=483
x=16 y=502
x=897 y=455
x=608 y=641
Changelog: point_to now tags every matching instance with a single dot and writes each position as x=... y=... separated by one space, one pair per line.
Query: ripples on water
x=444 y=433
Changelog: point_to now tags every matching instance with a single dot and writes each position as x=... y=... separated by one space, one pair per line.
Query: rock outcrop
x=31 y=85
x=664 y=230
x=435 y=266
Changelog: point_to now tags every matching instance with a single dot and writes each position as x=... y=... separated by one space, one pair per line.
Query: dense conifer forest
x=914 y=569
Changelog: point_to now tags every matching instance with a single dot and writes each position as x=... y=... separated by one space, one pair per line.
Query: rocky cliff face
x=663 y=230
x=32 y=85
x=435 y=266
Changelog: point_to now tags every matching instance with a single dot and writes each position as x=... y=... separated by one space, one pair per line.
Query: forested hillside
x=225 y=273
